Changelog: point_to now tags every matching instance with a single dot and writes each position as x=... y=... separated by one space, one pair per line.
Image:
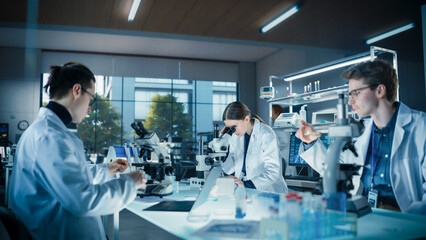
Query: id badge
x=373 y=196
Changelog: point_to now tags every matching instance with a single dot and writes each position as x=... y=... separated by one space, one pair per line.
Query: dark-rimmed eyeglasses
x=93 y=100
x=354 y=93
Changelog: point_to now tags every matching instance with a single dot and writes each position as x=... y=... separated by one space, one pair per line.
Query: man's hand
x=139 y=178
x=306 y=133
x=118 y=165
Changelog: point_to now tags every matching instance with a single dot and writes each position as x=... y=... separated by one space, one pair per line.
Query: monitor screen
x=4 y=131
x=294 y=158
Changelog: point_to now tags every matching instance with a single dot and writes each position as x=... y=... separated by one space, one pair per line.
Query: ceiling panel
x=119 y=14
x=76 y=12
x=15 y=11
x=165 y=16
x=202 y=15
x=242 y=15
x=338 y=24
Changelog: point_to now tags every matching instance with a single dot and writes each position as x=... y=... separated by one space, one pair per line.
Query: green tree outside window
x=102 y=128
x=167 y=118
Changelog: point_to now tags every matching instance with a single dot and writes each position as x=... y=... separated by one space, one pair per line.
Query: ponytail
x=238 y=111
x=63 y=78
x=254 y=115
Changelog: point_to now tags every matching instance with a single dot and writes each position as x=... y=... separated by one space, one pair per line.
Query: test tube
x=319 y=85
x=310 y=87
x=305 y=89
x=288 y=92
x=316 y=86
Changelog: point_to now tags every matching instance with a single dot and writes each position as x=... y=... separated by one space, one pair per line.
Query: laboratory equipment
x=4 y=134
x=337 y=180
x=267 y=92
x=287 y=120
x=154 y=160
x=240 y=201
x=188 y=205
x=324 y=116
x=322 y=95
x=216 y=151
x=302 y=113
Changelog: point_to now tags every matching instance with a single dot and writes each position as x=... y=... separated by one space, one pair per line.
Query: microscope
x=155 y=161
x=216 y=152
x=337 y=180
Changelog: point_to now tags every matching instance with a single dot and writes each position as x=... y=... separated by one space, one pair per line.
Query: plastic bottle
x=240 y=202
x=294 y=215
x=302 y=113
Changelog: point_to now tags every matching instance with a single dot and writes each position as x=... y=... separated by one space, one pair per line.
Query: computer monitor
x=4 y=134
x=324 y=116
x=294 y=158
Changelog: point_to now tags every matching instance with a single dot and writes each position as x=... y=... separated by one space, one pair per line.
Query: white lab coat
x=407 y=162
x=263 y=164
x=54 y=192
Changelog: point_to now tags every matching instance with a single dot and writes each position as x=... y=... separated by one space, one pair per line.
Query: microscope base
x=156 y=190
x=359 y=205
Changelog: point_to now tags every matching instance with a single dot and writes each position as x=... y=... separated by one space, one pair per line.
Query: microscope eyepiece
x=228 y=130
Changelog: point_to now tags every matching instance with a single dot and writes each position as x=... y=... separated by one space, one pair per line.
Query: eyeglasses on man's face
x=93 y=100
x=354 y=93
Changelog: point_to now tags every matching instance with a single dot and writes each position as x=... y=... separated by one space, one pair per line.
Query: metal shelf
x=321 y=127
x=312 y=97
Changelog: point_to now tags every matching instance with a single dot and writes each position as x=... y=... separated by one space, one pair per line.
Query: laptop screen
x=185 y=206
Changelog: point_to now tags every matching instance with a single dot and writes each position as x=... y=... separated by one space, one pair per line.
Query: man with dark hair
x=54 y=192
x=392 y=148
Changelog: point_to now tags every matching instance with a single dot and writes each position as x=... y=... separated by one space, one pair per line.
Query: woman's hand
x=237 y=180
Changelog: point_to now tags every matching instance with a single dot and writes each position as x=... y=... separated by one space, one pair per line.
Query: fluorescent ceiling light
x=280 y=18
x=390 y=33
x=133 y=10
x=328 y=68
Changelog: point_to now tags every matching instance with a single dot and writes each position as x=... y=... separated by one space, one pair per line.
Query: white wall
x=19 y=89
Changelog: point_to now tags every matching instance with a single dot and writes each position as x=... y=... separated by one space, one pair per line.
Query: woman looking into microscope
x=253 y=158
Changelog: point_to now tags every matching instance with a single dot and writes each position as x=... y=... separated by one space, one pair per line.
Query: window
x=169 y=107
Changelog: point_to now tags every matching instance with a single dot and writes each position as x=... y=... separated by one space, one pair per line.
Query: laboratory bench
x=379 y=224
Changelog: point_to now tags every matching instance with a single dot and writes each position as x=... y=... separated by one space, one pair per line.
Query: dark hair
x=63 y=78
x=238 y=111
x=374 y=73
x=277 y=109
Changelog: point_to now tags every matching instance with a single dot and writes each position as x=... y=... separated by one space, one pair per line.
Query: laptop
x=187 y=206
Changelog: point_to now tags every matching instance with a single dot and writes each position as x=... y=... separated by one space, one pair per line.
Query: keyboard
x=305 y=178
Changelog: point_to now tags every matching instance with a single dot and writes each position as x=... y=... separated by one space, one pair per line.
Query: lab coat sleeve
x=66 y=177
x=271 y=158
x=315 y=156
x=100 y=173
x=419 y=207
x=229 y=165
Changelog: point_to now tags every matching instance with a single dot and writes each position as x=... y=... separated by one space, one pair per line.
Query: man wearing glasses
x=54 y=192
x=392 y=148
